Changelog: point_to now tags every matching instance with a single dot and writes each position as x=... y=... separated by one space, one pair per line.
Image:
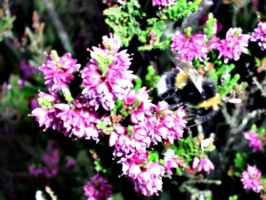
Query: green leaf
x=101 y=125
x=153 y=157
x=240 y=161
x=138 y=84
x=118 y=106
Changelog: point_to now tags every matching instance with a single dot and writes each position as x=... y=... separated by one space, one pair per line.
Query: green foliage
x=118 y=106
x=234 y=197
x=181 y=10
x=14 y=98
x=150 y=78
x=124 y=20
x=228 y=83
x=240 y=163
x=6 y=23
x=138 y=84
x=131 y=20
x=209 y=29
x=153 y=157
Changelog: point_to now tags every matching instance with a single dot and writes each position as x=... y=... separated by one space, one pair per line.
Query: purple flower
x=202 y=164
x=78 y=122
x=251 y=179
x=35 y=171
x=171 y=161
x=34 y=103
x=97 y=188
x=70 y=162
x=149 y=181
x=232 y=46
x=26 y=70
x=106 y=77
x=190 y=48
x=58 y=71
x=259 y=35
x=50 y=160
x=162 y=2
x=171 y=124
x=254 y=141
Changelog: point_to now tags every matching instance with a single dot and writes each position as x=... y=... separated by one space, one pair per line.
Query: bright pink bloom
x=149 y=181
x=254 y=141
x=251 y=179
x=202 y=164
x=106 y=77
x=171 y=124
x=97 y=188
x=162 y=2
x=171 y=161
x=259 y=35
x=232 y=46
x=58 y=74
x=190 y=48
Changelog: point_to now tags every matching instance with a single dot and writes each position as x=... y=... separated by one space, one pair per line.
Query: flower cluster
x=162 y=2
x=259 y=35
x=50 y=160
x=133 y=127
x=233 y=45
x=195 y=46
x=254 y=141
x=190 y=47
x=251 y=179
x=202 y=164
x=150 y=124
x=106 y=77
x=97 y=188
x=58 y=71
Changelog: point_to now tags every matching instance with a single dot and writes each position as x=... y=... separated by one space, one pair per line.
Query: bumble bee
x=185 y=86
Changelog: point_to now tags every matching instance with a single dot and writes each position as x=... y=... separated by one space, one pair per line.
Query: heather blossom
x=50 y=160
x=58 y=71
x=234 y=44
x=259 y=35
x=162 y=2
x=251 y=179
x=149 y=180
x=97 y=188
x=202 y=164
x=254 y=141
x=171 y=161
x=106 y=77
x=190 y=47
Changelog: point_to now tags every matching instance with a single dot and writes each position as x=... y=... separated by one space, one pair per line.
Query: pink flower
x=50 y=160
x=171 y=124
x=149 y=181
x=190 y=48
x=106 y=77
x=232 y=46
x=254 y=141
x=171 y=161
x=259 y=35
x=202 y=164
x=251 y=179
x=97 y=188
x=59 y=73
x=27 y=70
x=162 y=2
x=78 y=122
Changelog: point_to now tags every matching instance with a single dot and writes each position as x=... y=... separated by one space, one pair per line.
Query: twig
x=63 y=36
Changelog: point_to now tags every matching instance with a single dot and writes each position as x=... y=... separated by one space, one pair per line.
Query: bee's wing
x=189 y=70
